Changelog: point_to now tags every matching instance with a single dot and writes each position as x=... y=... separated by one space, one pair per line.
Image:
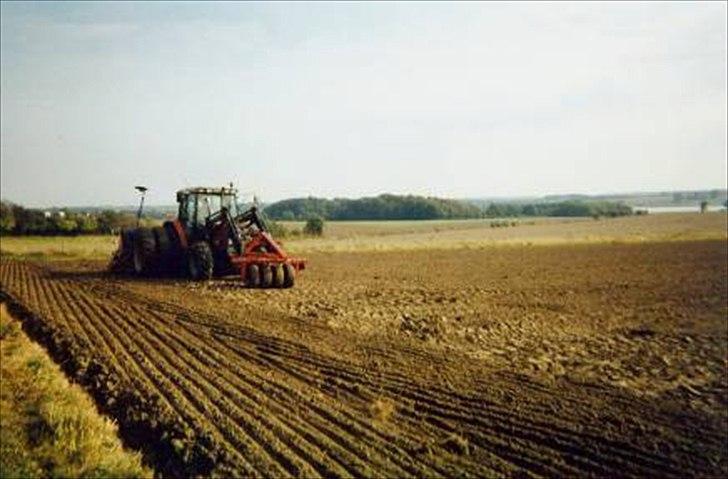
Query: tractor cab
x=196 y=205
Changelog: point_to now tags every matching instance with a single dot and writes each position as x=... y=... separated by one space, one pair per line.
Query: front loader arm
x=223 y=219
x=239 y=227
x=251 y=217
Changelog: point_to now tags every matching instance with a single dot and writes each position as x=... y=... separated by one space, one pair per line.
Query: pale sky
x=354 y=99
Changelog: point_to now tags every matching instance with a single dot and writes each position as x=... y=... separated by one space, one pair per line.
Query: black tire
x=123 y=259
x=289 y=275
x=266 y=276
x=144 y=253
x=278 y=275
x=162 y=239
x=199 y=261
x=127 y=241
x=174 y=241
x=176 y=261
x=252 y=278
x=165 y=262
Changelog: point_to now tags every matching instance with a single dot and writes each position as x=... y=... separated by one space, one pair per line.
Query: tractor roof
x=207 y=190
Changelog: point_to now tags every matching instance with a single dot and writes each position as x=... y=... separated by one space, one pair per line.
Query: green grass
x=49 y=427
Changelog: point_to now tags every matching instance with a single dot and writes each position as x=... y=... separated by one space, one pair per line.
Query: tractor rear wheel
x=144 y=251
x=122 y=260
x=127 y=241
x=163 y=243
x=199 y=261
x=278 y=275
x=164 y=248
x=174 y=241
x=289 y=275
x=252 y=277
x=266 y=276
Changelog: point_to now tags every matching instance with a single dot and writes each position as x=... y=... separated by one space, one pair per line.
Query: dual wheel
x=281 y=275
x=147 y=249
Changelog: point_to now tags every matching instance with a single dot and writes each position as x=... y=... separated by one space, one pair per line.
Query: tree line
x=382 y=207
x=18 y=220
x=571 y=208
x=394 y=207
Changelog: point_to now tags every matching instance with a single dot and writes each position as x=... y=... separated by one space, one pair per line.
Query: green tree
x=87 y=224
x=382 y=207
x=314 y=226
x=29 y=221
x=7 y=218
x=287 y=215
x=62 y=223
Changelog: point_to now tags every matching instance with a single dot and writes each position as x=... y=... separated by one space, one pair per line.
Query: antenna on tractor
x=143 y=191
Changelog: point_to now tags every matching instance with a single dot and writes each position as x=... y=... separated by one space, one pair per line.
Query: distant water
x=677 y=209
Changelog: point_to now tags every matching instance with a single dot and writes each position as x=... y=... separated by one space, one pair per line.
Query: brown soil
x=602 y=359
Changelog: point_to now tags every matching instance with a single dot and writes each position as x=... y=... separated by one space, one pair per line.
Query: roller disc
x=253 y=276
x=266 y=276
x=278 y=275
x=289 y=275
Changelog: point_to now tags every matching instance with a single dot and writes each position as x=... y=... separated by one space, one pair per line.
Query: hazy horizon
x=473 y=100
x=133 y=200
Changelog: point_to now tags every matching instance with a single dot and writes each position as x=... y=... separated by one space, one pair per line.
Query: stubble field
x=516 y=358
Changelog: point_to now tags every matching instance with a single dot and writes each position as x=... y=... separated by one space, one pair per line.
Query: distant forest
x=382 y=207
x=571 y=208
x=395 y=207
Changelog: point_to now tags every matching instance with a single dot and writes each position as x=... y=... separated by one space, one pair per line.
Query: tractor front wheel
x=200 y=261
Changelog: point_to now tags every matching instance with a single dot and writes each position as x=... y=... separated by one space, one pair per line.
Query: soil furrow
x=413 y=366
x=254 y=384
x=177 y=396
x=164 y=341
x=332 y=417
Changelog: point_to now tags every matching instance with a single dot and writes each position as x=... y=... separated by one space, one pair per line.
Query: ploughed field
x=588 y=359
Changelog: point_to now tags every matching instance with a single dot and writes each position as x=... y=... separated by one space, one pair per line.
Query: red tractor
x=210 y=237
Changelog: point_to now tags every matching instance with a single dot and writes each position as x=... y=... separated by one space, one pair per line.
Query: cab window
x=228 y=202
x=192 y=209
x=206 y=206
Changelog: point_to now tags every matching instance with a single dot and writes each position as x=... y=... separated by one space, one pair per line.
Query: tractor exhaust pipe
x=143 y=191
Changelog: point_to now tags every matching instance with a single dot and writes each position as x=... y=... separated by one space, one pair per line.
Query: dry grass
x=59 y=247
x=351 y=236
x=381 y=409
x=49 y=427
x=418 y=235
